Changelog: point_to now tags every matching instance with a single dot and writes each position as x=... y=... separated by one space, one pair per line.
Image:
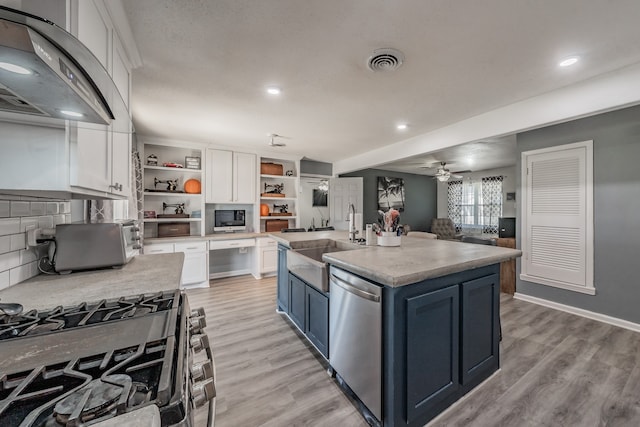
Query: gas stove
x=84 y=365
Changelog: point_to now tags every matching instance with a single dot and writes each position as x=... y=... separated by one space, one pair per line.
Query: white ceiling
x=206 y=65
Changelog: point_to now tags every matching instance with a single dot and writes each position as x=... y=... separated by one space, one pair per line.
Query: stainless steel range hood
x=46 y=72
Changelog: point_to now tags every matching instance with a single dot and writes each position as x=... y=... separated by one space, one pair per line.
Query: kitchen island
x=437 y=324
x=143 y=274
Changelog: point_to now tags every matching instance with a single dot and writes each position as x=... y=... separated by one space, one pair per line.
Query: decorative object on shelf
x=390 y=193
x=178 y=206
x=271 y=169
x=149 y=214
x=192 y=186
x=272 y=225
x=172 y=184
x=172 y=165
x=192 y=162
x=264 y=209
x=289 y=173
x=283 y=210
x=273 y=190
x=174 y=229
x=152 y=160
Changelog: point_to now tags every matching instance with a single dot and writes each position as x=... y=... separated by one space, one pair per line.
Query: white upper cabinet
x=231 y=177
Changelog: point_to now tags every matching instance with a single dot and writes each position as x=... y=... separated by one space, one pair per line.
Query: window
x=557 y=217
x=476 y=206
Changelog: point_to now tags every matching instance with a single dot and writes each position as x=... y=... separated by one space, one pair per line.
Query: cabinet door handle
x=191 y=248
x=234 y=244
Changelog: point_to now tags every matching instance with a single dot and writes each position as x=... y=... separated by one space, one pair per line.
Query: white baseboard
x=229 y=274
x=580 y=312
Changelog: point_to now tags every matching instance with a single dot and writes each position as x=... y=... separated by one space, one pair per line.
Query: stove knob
x=197 y=312
x=202 y=371
x=202 y=392
x=199 y=341
x=197 y=324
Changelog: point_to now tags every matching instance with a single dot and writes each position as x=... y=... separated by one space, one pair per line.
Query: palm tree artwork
x=390 y=193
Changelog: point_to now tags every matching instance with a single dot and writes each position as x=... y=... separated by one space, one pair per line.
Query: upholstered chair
x=445 y=229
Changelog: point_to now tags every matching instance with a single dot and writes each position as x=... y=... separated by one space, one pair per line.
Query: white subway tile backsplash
x=38 y=208
x=45 y=221
x=22 y=273
x=4 y=279
x=20 y=208
x=9 y=260
x=17 y=213
x=9 y=226
x=18 y=241
x=5 y=208
x=26 y=222
x=5 y=244
x=53 y=208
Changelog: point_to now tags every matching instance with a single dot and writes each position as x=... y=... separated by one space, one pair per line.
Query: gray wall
x=616 y=139
x=420 y=197
x=313 y=167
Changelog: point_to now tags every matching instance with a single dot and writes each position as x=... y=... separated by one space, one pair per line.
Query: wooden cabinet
x=317 y=319
x=266 y=256
x=440 y=340
x=195 y=271
x=283 y=280
x=309 y=310
x=480 y=324
x=231 y=177
x=432 y=350
x=507 y=268
x=297 y=290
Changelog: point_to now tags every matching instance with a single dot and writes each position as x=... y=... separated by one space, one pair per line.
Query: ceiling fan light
x=443 y=178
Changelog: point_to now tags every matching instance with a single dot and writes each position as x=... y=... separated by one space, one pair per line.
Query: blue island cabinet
x=440 y=340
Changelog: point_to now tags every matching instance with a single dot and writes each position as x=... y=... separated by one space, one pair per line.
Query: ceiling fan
x=273 y=142
x=443 y=174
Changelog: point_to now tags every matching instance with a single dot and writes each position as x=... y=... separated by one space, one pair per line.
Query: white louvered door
x=557 y=217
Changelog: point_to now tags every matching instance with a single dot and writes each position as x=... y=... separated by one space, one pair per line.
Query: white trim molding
x=621 y=323
x=558 y=284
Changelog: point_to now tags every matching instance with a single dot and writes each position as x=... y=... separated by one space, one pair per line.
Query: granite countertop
x=143 y=274
x=414 y=260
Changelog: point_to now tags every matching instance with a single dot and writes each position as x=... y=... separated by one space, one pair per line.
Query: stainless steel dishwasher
x=355 y=336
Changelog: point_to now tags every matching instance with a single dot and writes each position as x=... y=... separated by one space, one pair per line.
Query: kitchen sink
x=307 y=264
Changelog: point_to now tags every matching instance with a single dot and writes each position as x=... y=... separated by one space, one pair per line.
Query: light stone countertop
x=143 y=274
x=416 y=259
x=215 y=236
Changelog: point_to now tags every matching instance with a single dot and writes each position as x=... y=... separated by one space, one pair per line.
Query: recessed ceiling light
x=402 y=126
x=71 y=113
x=14 y=68
x=567 y=62
x=272 y=90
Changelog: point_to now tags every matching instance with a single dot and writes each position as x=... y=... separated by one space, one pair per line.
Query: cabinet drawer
x=160 y=248
x=265 y=242
x=231 y=244
x=188 y=247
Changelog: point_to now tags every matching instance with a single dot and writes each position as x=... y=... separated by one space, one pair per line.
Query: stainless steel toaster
x=96 y=245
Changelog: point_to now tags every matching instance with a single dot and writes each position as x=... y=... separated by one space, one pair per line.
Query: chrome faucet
x=352 y=223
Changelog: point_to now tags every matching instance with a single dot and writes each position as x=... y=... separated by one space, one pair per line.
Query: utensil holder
x=389 y=238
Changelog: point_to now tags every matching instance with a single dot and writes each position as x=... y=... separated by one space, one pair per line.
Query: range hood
x=47 y=72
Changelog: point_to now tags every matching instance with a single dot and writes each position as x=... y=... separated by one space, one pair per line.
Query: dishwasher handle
x=358 y=292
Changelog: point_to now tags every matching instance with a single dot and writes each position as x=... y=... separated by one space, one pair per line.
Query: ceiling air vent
x=385 y=60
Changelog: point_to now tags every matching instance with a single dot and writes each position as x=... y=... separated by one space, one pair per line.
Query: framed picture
x=511 y=196
x=192 y=162
x=319 y=197
x=390 y=193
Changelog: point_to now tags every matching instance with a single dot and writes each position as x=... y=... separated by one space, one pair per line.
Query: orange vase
x=264 y=209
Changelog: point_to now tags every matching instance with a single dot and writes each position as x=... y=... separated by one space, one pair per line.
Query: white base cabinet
x=195 y=270
x=266 y=257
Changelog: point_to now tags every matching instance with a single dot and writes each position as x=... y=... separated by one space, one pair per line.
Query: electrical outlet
x=32 y=235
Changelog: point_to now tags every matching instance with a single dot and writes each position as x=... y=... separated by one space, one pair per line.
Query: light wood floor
x=557 y=369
